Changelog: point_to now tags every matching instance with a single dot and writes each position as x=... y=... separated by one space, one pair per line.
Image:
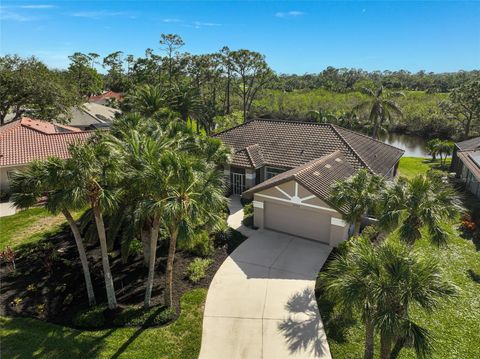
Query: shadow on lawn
x=29 y=338
x=474 y=276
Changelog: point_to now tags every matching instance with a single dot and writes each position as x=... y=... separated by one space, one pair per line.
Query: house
x=104 y=98
x=466 y=164
x=25 y=140
x=91 y=116
x=288 y=168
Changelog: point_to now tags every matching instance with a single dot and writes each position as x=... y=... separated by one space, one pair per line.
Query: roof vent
x=328 y=165
x=338 y=159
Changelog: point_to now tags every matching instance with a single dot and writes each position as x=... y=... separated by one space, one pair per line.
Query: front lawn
x=28 y=338
x=29 y=226
x=455 y=325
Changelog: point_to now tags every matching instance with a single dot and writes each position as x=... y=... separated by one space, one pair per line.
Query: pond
x=414 y=146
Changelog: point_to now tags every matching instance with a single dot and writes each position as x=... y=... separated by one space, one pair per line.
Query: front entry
x=238 y=183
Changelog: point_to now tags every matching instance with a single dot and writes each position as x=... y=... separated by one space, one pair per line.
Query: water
x=414 y=146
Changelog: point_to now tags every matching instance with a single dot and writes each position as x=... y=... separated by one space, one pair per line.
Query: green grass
x=28 y=338
x=455 y=325
x=411 y=166
x=30 y=225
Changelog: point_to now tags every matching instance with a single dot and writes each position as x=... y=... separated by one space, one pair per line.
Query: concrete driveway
x=261 y=302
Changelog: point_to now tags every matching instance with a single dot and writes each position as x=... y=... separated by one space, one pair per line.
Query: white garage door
x=298 y=221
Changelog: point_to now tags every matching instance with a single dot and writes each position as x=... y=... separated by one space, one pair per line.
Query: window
x=272 y=172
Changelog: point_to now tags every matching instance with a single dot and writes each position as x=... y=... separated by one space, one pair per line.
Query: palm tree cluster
x=381 y=280
x=147 y=176
x=441 y=148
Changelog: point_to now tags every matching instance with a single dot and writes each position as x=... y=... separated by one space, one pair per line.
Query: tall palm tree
x=421 y=202
x=148 y=100
x=382 y=283
x=432 y=148
x=357 y=195
x=40 y=178
x=94 y=173
x=194 y=195
x=185 y=99
x=382 y=107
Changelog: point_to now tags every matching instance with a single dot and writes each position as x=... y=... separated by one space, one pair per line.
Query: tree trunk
x=399 y=344
x=169 y=270
x=369 y=339
x=151 y=261
x=82 y=254
x=228 y=94
x=112 y=300
x=145 y=236
x=356 y=230
x=385 y=347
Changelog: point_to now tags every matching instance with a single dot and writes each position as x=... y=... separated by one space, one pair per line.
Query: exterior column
x=258 y=213
x=249 y=178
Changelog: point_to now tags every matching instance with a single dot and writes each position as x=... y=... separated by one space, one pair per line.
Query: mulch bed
x=48 y=282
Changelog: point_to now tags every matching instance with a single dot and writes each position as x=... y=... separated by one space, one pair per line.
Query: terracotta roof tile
x=317 y=175
x=26 y=140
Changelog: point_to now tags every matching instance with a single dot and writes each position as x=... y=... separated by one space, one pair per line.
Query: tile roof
x=317 y=176
x=466 y=158
x=26 y=140
x=106 y=95
x=290 y=144
x=469 y=145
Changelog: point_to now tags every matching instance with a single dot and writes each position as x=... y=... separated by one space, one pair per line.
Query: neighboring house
x=288 y=169
x=466 y=163
x=106 y=97
x=25 y=140
x=93 y=115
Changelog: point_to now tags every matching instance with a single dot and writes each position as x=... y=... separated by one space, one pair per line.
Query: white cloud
x=37 y=6
x=289 y=14
x=171 y=20
x=201 y=24
x=96 y=15
x=13 y=16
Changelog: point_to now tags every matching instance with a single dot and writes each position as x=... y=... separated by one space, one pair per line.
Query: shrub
x=197 y=268
x=136 y=316
x=248 y=215
x=91 y=318
x=231 y=238
x=370 y=232
x=200 y=244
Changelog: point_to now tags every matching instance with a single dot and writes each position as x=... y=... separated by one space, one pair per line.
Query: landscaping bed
x=48 y=283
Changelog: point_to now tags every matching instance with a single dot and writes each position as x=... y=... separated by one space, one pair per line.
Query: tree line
x=229 y=86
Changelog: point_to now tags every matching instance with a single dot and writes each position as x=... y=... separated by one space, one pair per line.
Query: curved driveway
x=261 y=302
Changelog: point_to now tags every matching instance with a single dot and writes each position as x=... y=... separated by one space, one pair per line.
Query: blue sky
x=295 y=36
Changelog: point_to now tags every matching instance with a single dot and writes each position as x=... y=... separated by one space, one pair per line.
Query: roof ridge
x=365 y=136
x=290 y=121
x=351 y=148
x=231 y=128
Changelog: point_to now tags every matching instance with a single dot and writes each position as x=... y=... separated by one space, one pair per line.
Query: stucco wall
x=292 y=195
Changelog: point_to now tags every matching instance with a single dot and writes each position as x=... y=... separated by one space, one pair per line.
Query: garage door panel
x=297 y=221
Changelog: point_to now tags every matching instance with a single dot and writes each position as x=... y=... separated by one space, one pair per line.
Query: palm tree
x=194 y=195
x=148 y=100
x=421 y=202
x=432 y=148
x=322 y=116
x=445 y=149
x=348 y=282
x=357 y=195
x=406 y=279
x=382 y=283
x=185 y=100
x=94 y=173
x=382 y=107
x=40 y=178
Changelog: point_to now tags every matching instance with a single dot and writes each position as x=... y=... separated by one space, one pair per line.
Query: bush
x=230 y=237
x=197 y=268
x=200 y=244
x=136 y=316
x=248 y=215
x=91 y=318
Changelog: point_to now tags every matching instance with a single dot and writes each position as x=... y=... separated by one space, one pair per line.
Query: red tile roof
x=26 y=140
x=107 y=95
